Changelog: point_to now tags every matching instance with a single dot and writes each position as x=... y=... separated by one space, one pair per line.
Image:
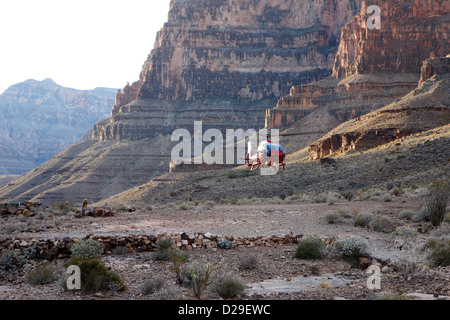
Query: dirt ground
x=273 y=263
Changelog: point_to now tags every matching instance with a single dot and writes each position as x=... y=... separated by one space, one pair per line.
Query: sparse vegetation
x=202 y=277
x=382 y=224
x=436 y=203
x=152 y=286
x=96 y=276
x=86 y=249
x=406 y=214
x=163 y=250
x=42 y=274
x=310 y=248
x=332 y=217
x=351 y=249
x=348 y=195
x=439 y=250
x=229 y=287
x=120 y=251
x=248 y=262
x=363 y=219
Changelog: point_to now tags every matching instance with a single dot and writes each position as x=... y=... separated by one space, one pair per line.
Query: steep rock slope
x=38 y=119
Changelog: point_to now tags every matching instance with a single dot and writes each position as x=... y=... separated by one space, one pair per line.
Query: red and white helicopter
x=267 y=154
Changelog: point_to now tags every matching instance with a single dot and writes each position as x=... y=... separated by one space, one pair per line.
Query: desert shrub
x=398 y=191
x=363 y=219
x=406 y=214
x=183 y=207
x=390 y=186
x=321 y=198
x=201 y=277
x=229 y=287
x=436 y=203
x=386 y=197
x=96 y=276
x=163 y=250
x=179 y=260
x=351 y=249
x=10 y=259
x=315 y=270
x=405 y=233
x=331 y=200
x=41 y=274
x=120 y=251
x=86 y=249
x=422 y=215
x=332 y=217
x=62 y=208
x=447 y=218
x=439 y=250
x=152 y=286
x=225 y=244
x=348 y=195
x=14 y=227
x=382 y=224
x=248 y=262
x=310 y=248
x=209 y=204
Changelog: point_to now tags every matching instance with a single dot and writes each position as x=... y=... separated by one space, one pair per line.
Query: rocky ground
x=277 y=274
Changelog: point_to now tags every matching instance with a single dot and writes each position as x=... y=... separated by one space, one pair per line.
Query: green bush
x=348 y=195
x=351 y=249
x=229 y=287
x=310 y=248
x=439 y=251
x=41 y=274
x=406 y=214
x=96 y=276
x=363 y=219
x=86 y=249
x=202 y=277
x=163 y=250
x=152 y=286
x=436 y=203
x=382 y=224
x=332 y=217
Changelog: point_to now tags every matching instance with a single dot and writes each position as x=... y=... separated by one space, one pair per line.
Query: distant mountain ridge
x=38 y=119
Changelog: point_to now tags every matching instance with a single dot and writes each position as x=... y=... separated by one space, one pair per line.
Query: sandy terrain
x=274 y=263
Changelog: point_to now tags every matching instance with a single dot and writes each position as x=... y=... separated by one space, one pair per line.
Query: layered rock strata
x=425 y=108
x=373 y=68
x=221 y=62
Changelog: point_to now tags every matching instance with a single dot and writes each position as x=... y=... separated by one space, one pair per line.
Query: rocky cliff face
x=233 y=58
x=373 y=68
x=411 y=32
x=38 y=119
x=427 y=107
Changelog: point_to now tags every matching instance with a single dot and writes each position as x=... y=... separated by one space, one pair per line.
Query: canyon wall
x=373 y=67
x=223 y=62
x=38 y=119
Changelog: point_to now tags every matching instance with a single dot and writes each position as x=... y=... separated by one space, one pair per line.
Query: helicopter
x=270 y=154
x=267 y=154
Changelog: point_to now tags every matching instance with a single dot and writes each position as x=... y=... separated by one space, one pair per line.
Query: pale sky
x=81 y=44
